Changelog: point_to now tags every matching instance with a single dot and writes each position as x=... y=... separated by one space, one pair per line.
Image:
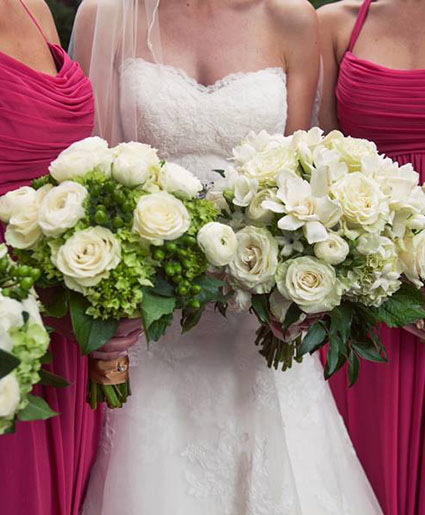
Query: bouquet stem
x=108 y=382
x=277 y=351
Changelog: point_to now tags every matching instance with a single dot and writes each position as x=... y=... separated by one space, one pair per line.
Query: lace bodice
x=196 y=125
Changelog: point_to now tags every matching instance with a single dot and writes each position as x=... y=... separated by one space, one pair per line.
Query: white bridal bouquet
x=23 y=345
x=118 y=230
x=331 y=242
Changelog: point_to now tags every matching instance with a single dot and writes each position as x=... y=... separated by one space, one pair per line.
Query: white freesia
x=134 y=163
x=412 y=258
x=263 y=156
x=9 y=396
x=61 y=208
x=87 y=257
x=305 y=143
x=256 y=260
x=159 y=217
x=16 y=201
x=179 y=181
x=334 y=250
x=218 y=242
x=303 y=209
x=10 y=316
x=310 y=283
x=244 y=191
x=363 y=204
x=81 y=158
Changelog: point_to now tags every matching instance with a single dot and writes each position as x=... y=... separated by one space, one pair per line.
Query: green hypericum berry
x=159 y=255
x=13 y=271
x=20 y=293
x=190 y=241
x=195 y=289
x=182 y=291
x=26 y=283
x=4 y=264
x=195 y=304
x=96 y=190
x=100 y=217
x=170 y=246
x=127 y=207
x=109 y=187
x=119 y=196
x=170 y=270
x=178 y=268
x=101 y=207
x=177 y=279
x=117 y=222
x=182 y=253
x=23 y=271
x=186 y=263
x=5 y=292
x=35 y=274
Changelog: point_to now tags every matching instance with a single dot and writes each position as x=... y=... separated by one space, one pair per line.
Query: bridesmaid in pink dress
x=385 y=410
x=45 y=465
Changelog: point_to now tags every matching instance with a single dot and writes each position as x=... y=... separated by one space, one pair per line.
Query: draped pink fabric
x=385 y=410
x=45 y=464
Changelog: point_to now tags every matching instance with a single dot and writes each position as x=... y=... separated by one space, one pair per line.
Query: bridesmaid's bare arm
x=44 y=17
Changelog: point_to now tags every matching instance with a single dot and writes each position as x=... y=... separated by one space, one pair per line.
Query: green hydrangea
x=201 y=211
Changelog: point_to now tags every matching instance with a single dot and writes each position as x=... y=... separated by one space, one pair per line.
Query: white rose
x=363 y=204
x=175 y=179
x=333 y=251
x=256 y=211
x=412 y=258
x=351 y=150
x=81 y=158
x=134 y=163
x=9 y=396
x=23 y=231
x=87 y=257
x=244 y=192
x=16 y=201
x=218 y=242
x=263 y=156
x=10 y=316
x=61 y=208
x=256 y=260
x=310 y=283
x=159 y=217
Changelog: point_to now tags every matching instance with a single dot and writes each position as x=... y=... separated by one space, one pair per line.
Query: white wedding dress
x=209 y=429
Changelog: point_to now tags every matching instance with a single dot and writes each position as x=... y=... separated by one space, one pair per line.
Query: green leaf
x=313 y=339
x=47 y=358
x=190 y=319
x=353 y=367
x=211 y=289
x=164 y=288
x=220 y=172
x=58 y=308
x=341 y=320
x=8 y=362
x=333 y=355
x=50 y=379
x=261 y=307
x=404 y=307
x=36 y=409
x=159 y=327
x=102 y=331
x=154 y=307
x=292 y=316
x=369 y=352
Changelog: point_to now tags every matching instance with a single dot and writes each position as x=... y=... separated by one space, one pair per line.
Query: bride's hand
x=127 y=335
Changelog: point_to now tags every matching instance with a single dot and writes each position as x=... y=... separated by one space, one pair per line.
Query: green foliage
x=63 y=14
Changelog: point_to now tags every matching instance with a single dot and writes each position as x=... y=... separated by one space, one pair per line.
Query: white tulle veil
x=107 y=33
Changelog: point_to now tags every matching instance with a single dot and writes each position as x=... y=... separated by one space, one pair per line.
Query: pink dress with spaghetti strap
x=385 y=410
x=45 y=464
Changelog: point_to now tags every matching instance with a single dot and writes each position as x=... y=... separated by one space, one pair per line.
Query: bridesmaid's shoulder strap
x=34 y=20
x=361 y=17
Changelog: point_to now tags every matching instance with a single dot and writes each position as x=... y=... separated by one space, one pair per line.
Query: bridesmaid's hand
x=127 y=335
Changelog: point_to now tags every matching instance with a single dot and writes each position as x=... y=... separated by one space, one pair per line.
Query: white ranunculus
x=218 y=242
x=16 y=201
x=9 y=396
x=412 y=258
x=256 y=260
x=256 y=212
x=334 y=250
x=310 y=283
x=135 y=164
x=363 y=204
x=302 y=208
x=87 y=257
x=244 y=192
x=81 y=158
x=351 y=150
x=61 y=208
x=175 y=179
x=10 y=316
x=263 y=156
x=159 y=217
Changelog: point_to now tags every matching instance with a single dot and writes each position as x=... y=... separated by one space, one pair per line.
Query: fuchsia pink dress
x=45 y=465
x=385 y=410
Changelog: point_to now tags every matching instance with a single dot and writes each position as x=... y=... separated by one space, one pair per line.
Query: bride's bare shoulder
x=342 y=13
x=89 y=8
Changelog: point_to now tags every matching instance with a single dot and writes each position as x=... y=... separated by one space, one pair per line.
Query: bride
x=209 y=430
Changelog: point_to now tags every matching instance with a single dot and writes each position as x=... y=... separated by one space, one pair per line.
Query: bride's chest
x=173 y=109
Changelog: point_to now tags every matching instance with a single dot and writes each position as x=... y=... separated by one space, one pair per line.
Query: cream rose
x=218 y=242
x=81 y=158
x=256 y=260
x=87 y=257
x=16 y=201
x=23 y=231
x=134 y=164
x=362 y=202
x=9 y=396
x=256 y=212
x=159 y=217
x=412 y=258
x=175 y=179
x=310 y=283
x=351 y=150
x=334 y=250
x=262 y=157
x=61 y=208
